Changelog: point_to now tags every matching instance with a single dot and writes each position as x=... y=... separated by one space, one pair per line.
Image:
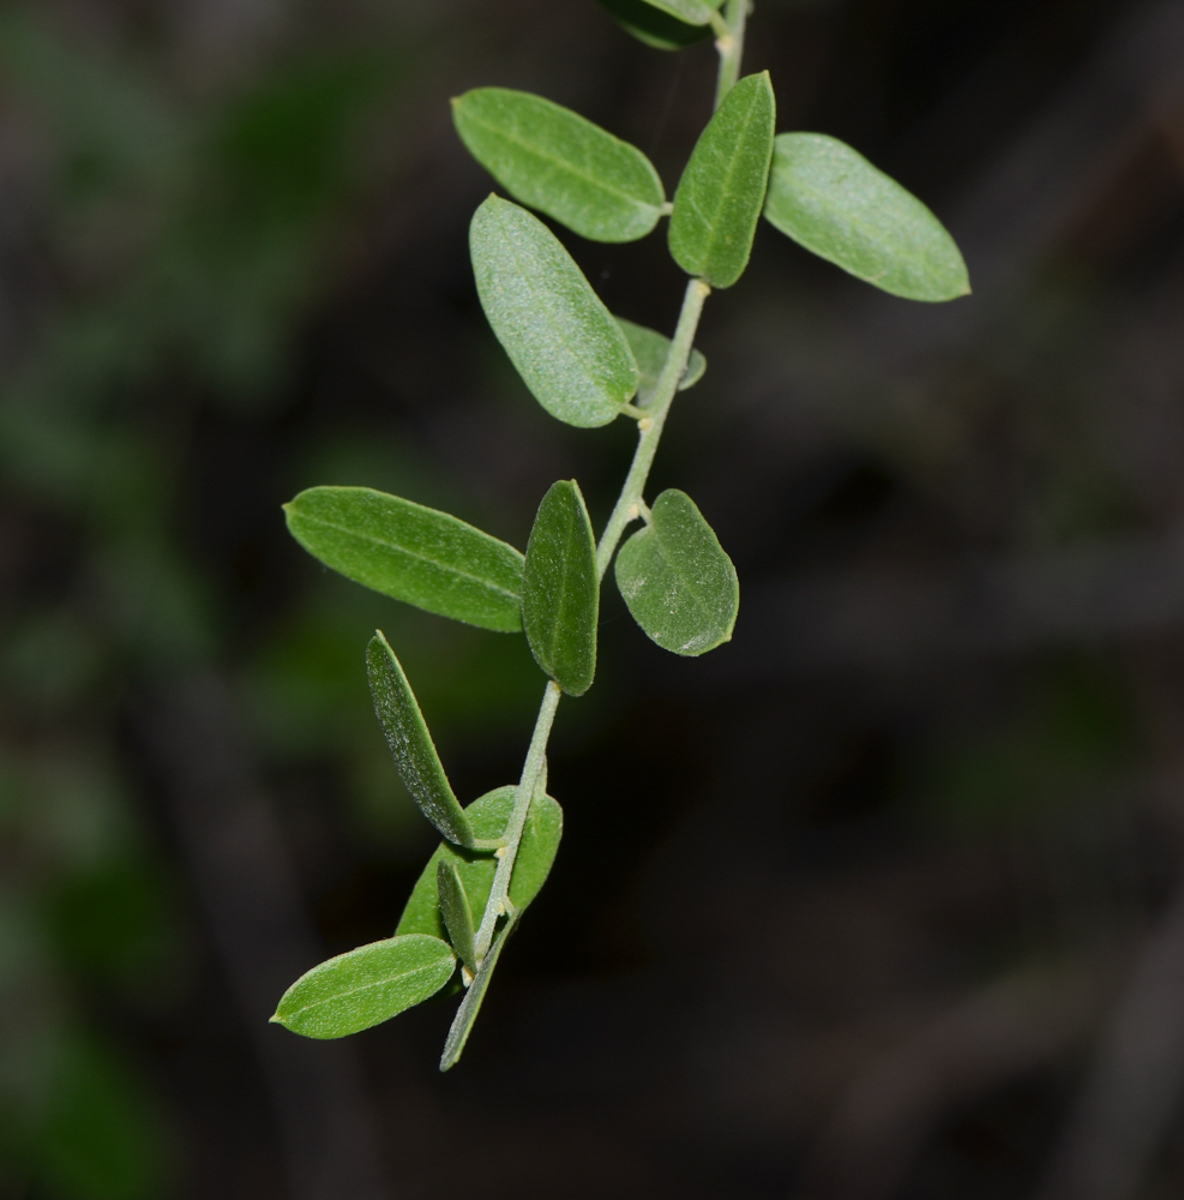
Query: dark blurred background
x=883 y=900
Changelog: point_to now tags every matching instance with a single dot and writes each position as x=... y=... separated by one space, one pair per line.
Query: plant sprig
x=586 y=368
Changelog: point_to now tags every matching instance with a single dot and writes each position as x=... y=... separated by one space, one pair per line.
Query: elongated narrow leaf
x=368 y=985
x=561 y=590
x=650 y=349
x=554 y=160
x=412 y=746
x=470 y=1006
x=830 y=199
x=654 y=27
x=415 y=554
x=564 y=342
x=676 y=579
x=456 y=914
x=722 y=190
x=488 y=816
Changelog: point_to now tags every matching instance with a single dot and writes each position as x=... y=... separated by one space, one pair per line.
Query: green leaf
x=412 y=746
x=456 y=914
x=488 y=816
x=676 y=579
x=654 y=27
x=564 y=342
x=368 y=985
x=693 y=12
x=554 y=160
x=470 y=1006
x=412 y=553
x=561 y=590
x=722 y=190
x=650 y=349
x=830 y=199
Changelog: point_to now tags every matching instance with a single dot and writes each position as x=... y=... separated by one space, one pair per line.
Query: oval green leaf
x=564 y=342
x=365 y=987
x=650 y=349
x=722 y=190
x=561 y=589
x=411 y=553
x=676 y=579
x=411 y=744
x=654 y=27
x=556 y=161
x=831 y=200
x=456 y=914
x=488 y=816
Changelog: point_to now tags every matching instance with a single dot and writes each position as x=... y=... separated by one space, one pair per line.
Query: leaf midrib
x=728 y=175
x=567 y=164
x=867 y=230
x=342 y=995
x=367 y=537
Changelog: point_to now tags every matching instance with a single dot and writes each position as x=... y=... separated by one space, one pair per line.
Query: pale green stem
x=731 y=47
x=532 y=771
x=630 y=505
x=649 y=429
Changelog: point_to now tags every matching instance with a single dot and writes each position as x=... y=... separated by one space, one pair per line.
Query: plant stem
x=731 y=48
x=532 y=770
x=651 y=420
x=628 y=508
x=630 y=505
x=649 y=429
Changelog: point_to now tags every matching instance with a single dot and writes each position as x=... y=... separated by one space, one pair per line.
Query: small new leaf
x=411 y=553
x=488 y=816
x=561 y=590
x=832 y=201
x=654 y=27
x=411 y=744
x=556 y=161
x=365 y=987
x=455 y=911
x=470 y=1006
x=650 y=349
x=721 y=192
x=556 y=330
x=676 y=579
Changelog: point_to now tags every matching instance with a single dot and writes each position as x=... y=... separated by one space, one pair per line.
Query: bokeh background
x=883 y=900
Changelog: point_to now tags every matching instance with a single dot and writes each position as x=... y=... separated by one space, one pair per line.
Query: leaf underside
x=654 y=27
x=488 y=815
x=456 y=913
x=411 y=553
x=650 y=349
x=470 y=1006
x=676 y=579
x=411 y=744
x=564 y=343
x=721 y=192
x=554 y=160
x=831 y=200
x=693 y=12
x=366 y=986
x=561 y=589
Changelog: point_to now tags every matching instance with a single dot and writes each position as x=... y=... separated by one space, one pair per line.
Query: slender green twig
x=649 y=429
x=532 y=770
x=629 y=507
x=730 y=45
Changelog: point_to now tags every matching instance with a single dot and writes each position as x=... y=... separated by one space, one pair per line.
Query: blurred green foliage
x=190 y=229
